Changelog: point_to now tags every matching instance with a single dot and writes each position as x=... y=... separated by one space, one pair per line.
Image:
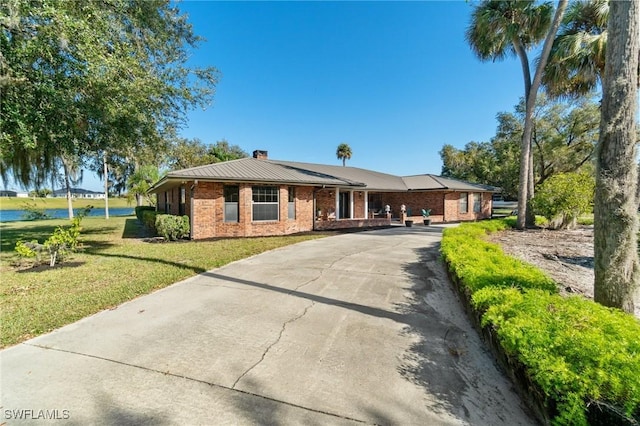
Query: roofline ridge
x=211 y=164
x=436 y=178
x=283 y=163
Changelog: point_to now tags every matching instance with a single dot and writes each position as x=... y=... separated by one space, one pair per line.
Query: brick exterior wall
x=207 y=201
x=358 y=205
x=444 y=205
x=414 y=203
x=452 y=207
x=173 y=200
x=326 y=203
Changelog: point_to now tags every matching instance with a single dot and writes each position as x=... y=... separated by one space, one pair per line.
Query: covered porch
x=342 y=208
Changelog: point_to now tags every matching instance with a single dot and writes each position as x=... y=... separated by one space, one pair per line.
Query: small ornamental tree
x=564 y=197
x=62 y=241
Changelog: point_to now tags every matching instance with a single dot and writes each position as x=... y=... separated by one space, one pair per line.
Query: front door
x=345 y=206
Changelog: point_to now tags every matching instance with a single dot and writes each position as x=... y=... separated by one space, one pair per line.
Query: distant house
x=77 y=193
x=259 y=197
x=12 y=193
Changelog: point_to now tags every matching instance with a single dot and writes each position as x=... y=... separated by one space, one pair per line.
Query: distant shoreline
x=18 y=203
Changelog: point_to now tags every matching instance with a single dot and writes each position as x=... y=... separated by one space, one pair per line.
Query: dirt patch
x=565 y=255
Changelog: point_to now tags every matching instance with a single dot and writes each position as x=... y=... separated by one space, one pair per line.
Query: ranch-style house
x=257 y=196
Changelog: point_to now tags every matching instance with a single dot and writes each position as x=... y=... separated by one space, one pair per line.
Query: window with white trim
x=231 y=202
x=265 y=203
x=292 y=203
x=477 y=202
x=464 y=202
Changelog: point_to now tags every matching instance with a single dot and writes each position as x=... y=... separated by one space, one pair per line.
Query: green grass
x=15 y=203
x=112 y=267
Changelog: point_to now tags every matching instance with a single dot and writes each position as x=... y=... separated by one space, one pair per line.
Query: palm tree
x=501 y=28
x=506 y=28
x=343 y=153
x=140 y=182
x=616 y=264
x=577 y=59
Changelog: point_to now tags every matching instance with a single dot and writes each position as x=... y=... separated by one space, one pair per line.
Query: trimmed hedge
x=479 y=263
x=141 y=209
x=149 y=219
x=172 y=227
x=581 y=355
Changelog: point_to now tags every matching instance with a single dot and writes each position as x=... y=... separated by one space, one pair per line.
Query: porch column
x=366 y=204
x=351 y=204
x=337 y=206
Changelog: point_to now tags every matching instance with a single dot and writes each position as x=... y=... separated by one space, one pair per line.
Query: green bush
x=149 y=219
x=140 y=211
x=563 y=198
x=172 y=227
x=30 y=250
x=479 y=263
x=575 y=350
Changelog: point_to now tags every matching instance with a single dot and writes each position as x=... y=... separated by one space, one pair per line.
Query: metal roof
x=254 y=170
x=428 y=182
x=370 y=179
x=295 y=173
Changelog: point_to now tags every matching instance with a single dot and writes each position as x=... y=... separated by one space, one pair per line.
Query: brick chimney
x=260 y=155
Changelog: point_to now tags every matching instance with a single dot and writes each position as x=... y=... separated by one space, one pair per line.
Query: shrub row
x=169 y=226
x=148 y=219
x=141 y=209
x=172 y=227
x=581 y=356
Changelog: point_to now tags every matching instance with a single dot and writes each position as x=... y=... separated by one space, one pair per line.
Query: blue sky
x=394 y=80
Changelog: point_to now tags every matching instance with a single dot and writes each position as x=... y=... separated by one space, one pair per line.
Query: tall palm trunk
x=525 y=153
x=526 y=73
x=617 y=269
x=530 y=218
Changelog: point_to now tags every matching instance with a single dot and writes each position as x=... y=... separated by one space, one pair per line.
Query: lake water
x=13 y=215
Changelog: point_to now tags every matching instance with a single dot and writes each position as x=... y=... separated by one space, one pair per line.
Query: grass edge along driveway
x=112 y=267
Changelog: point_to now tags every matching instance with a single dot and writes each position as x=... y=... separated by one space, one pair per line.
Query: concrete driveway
x=356 y=328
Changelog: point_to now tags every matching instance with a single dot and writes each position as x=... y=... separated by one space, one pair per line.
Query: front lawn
x=113 y=266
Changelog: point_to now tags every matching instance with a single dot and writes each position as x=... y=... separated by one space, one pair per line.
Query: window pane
x=230 y=212
x=264 y=211
x=231 y=198
x=375 y=202
x=292 y=202
x=464 y=202
x=477 y=202
x=231 y=193
x=265 y=194
x=265 y=202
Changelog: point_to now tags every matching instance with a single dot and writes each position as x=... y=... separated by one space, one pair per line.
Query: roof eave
x=172 y=181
